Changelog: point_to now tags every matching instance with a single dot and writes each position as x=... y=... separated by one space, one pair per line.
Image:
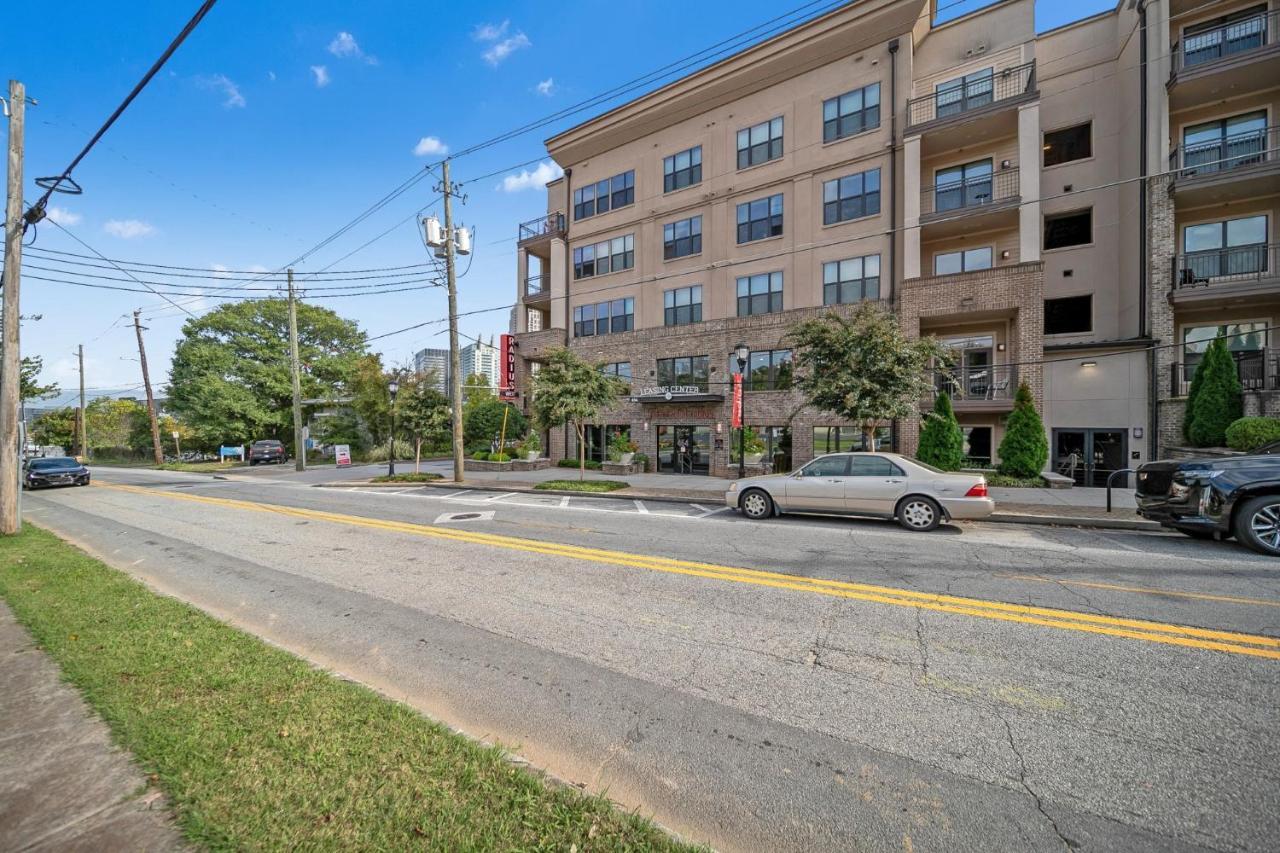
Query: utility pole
x=455 y=363
x=80 y=420
x=10 y=358
x=151 y=400
x=299 y=446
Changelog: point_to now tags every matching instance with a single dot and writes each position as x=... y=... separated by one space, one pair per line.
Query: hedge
x=1251 y=433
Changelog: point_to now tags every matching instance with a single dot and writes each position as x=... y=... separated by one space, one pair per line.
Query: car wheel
x=1257 y=524
x=756 y=504
x=919 y=513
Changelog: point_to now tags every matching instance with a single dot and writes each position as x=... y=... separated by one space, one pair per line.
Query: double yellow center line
x=1136 y=629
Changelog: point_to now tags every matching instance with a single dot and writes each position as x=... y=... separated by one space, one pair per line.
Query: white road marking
x=564 y=501
x=714 y=511
x=497 y=498
x=641 y=508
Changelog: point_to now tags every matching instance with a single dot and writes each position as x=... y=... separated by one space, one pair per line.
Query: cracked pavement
x=750 y=717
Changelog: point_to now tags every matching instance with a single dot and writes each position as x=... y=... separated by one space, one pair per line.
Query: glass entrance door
x=1090 y=456
x=684 y=449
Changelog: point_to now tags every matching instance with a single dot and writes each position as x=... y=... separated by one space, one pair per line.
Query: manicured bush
x=378 y=453
x=499 y=457
x=1217 y=403
x=1251 y=433
x=480 y=456
x=1025 y=449
x=592 y=465
x=942 y=440
x=482 y=423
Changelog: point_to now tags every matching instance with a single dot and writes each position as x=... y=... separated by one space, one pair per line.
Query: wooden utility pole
x=10 y=357
x=151 y=400
x=299 y=445
x=455 y=360
x=80 y=420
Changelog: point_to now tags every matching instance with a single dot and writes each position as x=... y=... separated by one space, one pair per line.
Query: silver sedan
x=882 y=485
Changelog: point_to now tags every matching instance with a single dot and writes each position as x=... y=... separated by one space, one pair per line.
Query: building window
x=602 y=258
x=603 y=196
x=685 y=371
x=1206 y=41
x=977 y=446
x=1226 y=248
x=950 y=263
x=604 y=318
x=760 y=294
x=760 y=219
x=1068 y=229
x=1069 y=143
x=964 y=93
x=682 y=238
x=777 y=446
x=957 y=187
x=1246 y=341
x=1070 y=315
x=851 y=197
x=533 y=322
x=760 y=144
x=620 y=369
x=682 y=170
x=767 y=370
x=682 y=306
x=850 y=113
x=841 y=439
x=851 y=280
x=1224 y=144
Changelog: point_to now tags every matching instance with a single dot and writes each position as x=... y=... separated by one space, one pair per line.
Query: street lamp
x=393 y=386
x=741 y=351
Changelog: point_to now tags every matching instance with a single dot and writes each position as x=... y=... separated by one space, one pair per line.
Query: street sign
x=342 y=454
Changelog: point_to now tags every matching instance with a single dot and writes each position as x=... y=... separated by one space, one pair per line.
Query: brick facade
x=1162 y=246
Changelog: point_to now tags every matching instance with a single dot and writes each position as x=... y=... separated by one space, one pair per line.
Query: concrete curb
x=658 y=497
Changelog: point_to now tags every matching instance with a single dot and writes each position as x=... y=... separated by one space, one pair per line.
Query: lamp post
x=393 y=386
x=741 y=351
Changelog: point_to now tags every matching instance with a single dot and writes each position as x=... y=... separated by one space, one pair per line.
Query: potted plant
x=531 y=446
x=753 y=447
x=622 y=449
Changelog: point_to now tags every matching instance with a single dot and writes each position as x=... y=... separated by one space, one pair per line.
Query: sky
x=277 y=123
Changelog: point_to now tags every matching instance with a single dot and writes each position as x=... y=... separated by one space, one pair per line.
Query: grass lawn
x=582 y=485
x=258 y=750
x=1004 y=481
x=422 y=477
x=197 y=467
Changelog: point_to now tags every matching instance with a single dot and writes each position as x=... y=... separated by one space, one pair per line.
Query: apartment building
x=480 y=359
x=436 y=360
x=982 y=181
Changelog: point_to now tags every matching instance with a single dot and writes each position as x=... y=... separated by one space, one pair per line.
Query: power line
x=255 y=274
x=216 y=293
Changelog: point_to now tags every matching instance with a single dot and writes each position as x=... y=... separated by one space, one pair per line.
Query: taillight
x=977 y=491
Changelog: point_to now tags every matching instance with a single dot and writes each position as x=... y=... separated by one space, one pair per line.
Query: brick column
x=1162 y=246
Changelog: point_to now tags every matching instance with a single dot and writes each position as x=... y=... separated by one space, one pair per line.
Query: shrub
x=499 y=457
x=404 y=450
x=531 y=444
x=642 y=460
x=1251 y=433
x=1217 y=403
x=942 y=440
x=483 y=422
x=618 y=445
x=1025 y=449
x=592 y=465
x=480 y=456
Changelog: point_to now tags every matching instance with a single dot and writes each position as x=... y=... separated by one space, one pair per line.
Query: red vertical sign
x=737 y=401
x=507 y=370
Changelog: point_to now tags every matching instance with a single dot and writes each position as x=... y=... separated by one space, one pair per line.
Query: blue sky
x=276 y=123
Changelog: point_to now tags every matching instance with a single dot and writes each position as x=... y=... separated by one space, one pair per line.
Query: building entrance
x=1089 y=456
x=684 y=449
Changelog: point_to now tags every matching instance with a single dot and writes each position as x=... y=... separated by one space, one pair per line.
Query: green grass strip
x=421 y=477
x=582 y=485
x=258 y=750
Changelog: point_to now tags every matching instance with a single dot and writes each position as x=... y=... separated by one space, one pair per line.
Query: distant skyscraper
x=483 y=359
x=437 y=360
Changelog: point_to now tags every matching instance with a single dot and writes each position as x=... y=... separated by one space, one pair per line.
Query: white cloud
x=321 y=74
x=271 y=75
x=505 y=48
x=547 y=87
x=490 y=32
x=428 y=146
x=62 y=216
x=344 y=46
x=224 y=85
x=128 y=229
x=535 y=180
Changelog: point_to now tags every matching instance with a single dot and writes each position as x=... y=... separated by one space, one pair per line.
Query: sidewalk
x=63 y=784
x=1081 y=507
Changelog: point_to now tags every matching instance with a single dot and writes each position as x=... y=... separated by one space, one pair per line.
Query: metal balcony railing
x=971 y=385
x=1231 y=38
x=971 y=192
x=1258 y=370
x=1226 y=266
x=544 y=226
x=1001 y=85
x=537 y=285
x=1226 y=153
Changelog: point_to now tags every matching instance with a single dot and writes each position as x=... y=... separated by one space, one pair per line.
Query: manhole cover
x=450 y=517
x=464 y=516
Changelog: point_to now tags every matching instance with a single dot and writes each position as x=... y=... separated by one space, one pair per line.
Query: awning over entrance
x=669 y=397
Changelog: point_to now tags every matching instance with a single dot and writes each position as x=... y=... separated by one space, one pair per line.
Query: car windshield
x=1271 y=448
x=52 y=463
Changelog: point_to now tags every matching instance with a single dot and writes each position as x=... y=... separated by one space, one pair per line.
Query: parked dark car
x=1217 y=498
x=267 y=450
x=54 y=471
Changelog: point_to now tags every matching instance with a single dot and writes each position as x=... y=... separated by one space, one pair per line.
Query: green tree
x=1024 y=449
x=569 y=390
x=230 y=378
x=863 y=369
x=942 y=440
x=476 y=390
x=371 y=396
x=114 y=425
x=1217 y=402
x=423 y=413
x=56 y=427
x=483 y=421
x=28 y=380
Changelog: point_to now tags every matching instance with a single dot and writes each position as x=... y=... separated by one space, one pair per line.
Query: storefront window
x=777 y=446
x=839 y=439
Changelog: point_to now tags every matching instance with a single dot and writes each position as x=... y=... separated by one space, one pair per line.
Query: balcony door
x=957 y=187
x=1090 y=456
x=1232 y=247
x=965 y=93
x=1225 y=143
x=972 y=365
x=1230 y=34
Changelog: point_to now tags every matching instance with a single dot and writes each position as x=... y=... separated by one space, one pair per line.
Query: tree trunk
x=582 y=452
x=869 y=437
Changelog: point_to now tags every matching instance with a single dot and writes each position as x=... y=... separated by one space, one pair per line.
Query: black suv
x=267 y=450
x=1217 y=498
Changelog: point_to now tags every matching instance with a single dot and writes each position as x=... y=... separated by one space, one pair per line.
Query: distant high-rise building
x=481 y=358
x=437 y=360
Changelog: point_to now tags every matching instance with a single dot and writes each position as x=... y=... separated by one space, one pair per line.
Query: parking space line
x=641 y=508
x=496 y=498
x=564 y=501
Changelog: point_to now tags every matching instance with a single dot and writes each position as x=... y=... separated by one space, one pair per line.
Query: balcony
x=989 y=388
x=1235 y=58
x=951 y=207
x=1004 y=88
x=537 y=288
x=1237 y=271
x=542 y=228
x=1230 y=168
x=1258 y=370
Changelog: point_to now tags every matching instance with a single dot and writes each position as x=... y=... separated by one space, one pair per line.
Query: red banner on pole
x=737 y=401
x=507 y=369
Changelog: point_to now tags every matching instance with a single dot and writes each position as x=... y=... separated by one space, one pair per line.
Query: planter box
x=513 y=465
x=618 y=469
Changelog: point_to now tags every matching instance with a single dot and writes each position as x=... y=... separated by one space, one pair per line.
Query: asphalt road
x=794 y=684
